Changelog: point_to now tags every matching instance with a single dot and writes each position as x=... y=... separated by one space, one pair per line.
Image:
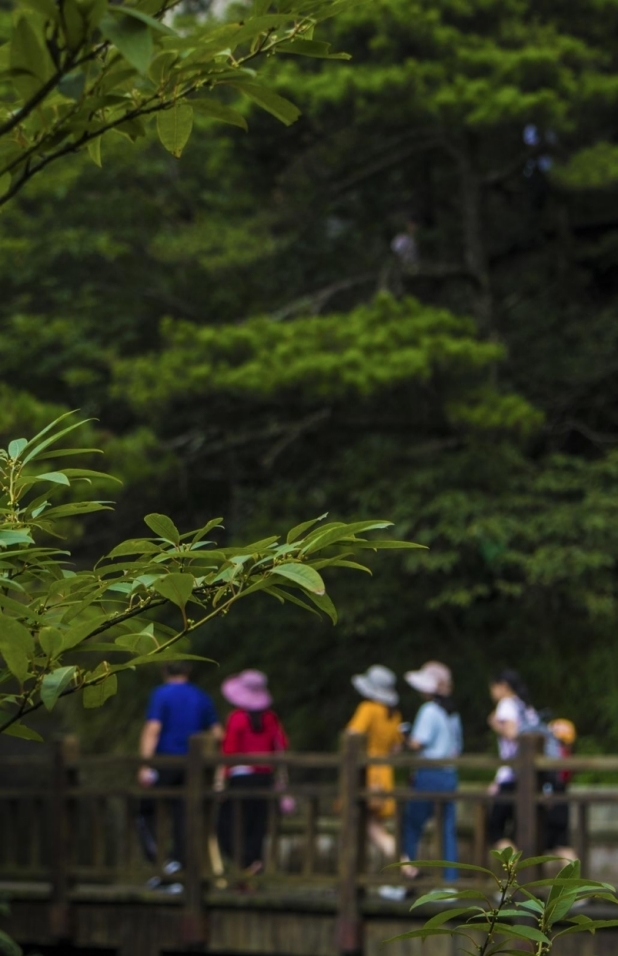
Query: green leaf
x=26 y=52
x=76 y=635
x=176 y=587
x=73 y=85
x=538 y=861
x=94 y=151
x=174 y=127
x=8 y=946
x=520 y=932
x=303 y=575
x=297 y=533
x=325 y=604
x=136 y=546
x=164 y=527
x=5 y=183
x=281 y=108
x=139 y=644
x=25 y=733
x=353 y=565
x=282 y=595
x=17 y=446
x=441 y=864
x=448 y=914
x=438 y=896
x=132 y=37
x=53 y=685
x=156 y=658
x=217 y=111
x=388 y=544
x=149 y=21
x=46 y=8
x=8 y=538
x=56 y=477
x=16 y=646
x=342 y=532
x=74 y=24
x=50 y=639
x=97 y=694
x=37 y=449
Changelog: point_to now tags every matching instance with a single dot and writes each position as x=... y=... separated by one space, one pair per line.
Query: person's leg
x=226 y=822
x=380 y=837
x=146 y=829
x=500 y=817
x=416 y=815
x=449 y=838
x=178 y=808
x=557 y=839
x=256 y=821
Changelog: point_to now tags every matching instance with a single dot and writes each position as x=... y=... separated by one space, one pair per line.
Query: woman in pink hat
x=252 y=728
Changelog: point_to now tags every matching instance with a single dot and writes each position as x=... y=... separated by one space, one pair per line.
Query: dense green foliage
x=253 y=347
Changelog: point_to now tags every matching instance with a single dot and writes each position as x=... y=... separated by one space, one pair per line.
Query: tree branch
x=391 y=159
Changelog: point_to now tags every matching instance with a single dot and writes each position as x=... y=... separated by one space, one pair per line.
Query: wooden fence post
x=526 y=806
x=349 y=922
x=194 y=928
x=64 y=771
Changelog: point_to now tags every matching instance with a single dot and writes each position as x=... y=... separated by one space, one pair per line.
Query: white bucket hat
x=378 y=684
x=432 y=678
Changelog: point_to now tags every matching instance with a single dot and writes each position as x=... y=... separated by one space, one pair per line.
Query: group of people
x=178 y=709
x=436 y=735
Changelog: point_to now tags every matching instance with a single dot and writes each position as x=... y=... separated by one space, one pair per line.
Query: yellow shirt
x=383 y=737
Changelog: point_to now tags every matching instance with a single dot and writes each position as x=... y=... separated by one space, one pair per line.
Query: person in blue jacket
x=177 y=709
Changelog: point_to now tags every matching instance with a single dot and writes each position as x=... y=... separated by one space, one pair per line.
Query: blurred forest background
x=405 y=306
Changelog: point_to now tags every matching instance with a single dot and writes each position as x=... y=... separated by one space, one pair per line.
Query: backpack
x=530 y=721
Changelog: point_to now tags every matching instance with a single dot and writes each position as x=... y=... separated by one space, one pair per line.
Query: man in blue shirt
x=177 y=710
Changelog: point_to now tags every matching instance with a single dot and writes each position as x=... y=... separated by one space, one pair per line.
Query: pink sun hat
x=247 y=690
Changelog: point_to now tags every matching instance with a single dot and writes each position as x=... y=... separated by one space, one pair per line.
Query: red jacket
x=240 y=738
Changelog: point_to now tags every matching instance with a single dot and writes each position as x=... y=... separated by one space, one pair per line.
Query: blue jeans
x=418 y=812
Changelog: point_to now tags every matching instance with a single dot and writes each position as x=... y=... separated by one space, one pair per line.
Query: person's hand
x=493 y=789
x=494 y=723
x=146 y=776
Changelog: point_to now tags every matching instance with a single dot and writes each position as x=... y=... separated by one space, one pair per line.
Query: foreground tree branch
x=75 y=73
x=51 y=616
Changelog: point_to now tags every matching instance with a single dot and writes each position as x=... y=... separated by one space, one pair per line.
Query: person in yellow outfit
x=378 y=718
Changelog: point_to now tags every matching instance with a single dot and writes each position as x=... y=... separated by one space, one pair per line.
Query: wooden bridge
x=74 y=872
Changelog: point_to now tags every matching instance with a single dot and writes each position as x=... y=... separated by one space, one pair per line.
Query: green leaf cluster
x=517 y=914
x=56 y=623
x=72 y=74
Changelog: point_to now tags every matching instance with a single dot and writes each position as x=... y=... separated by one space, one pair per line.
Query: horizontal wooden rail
x=76 y=819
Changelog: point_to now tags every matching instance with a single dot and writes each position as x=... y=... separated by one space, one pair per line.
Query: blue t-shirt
x=183 y=709
x=439 y=733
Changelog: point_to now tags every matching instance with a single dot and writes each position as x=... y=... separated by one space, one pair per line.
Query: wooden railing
x=74 y=820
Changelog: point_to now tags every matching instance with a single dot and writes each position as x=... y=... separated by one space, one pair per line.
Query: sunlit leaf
x=176 y=588
x=54 y=684
x=303 y=575
x=164 y=527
